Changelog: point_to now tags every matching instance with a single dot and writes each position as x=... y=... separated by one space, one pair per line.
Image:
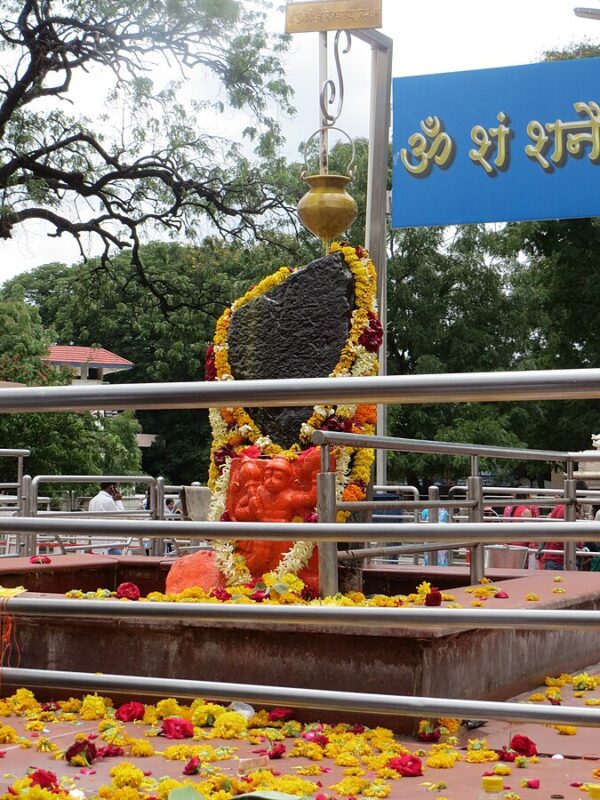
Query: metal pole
x=433 y=493
x=475 y=492
x=326 y=510
x=376 y=212
x=157 y=547
x=348 y=702
x=324 y=134
x=20 y=470
x=570 y=559
x=23 y=539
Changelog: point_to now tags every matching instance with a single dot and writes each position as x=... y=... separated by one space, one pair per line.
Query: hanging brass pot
x=327 y=209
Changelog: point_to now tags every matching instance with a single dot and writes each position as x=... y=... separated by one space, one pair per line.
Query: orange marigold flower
x=353 y=493
x=366 y=414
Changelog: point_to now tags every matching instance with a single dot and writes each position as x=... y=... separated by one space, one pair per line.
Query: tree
x=60 y=443
x=160 y=170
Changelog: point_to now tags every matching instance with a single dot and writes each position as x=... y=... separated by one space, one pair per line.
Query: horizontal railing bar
x=307 y=615
x=94 y=479
x=576 y=384
x=7 y=453
x=474 y=532
x=409 y=549
x=429 y=446
x=315 y=699
x=363 y=505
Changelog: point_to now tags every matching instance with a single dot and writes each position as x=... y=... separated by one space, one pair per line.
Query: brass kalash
x=327 y=209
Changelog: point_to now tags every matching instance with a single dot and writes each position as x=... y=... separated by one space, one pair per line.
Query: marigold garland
x=235 y=433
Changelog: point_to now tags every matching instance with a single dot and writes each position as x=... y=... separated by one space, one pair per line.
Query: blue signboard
x=516 y=143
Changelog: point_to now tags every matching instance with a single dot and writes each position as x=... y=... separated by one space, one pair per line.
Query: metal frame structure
x=448 y=388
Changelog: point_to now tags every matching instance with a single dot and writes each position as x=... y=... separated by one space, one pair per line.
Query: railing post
x=26 y=542
x=475 y=492
x=158 y=545
x=326 y=511
x=20 y=470
x=570 y=494
x=433 y=493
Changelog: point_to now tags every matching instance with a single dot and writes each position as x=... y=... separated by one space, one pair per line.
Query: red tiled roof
x=96 y=357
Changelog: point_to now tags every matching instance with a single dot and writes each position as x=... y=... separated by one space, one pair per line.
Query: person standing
x=108 y=499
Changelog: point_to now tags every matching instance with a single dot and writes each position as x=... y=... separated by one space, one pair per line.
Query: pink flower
x=83 y=748
x=128 y=590
x=357 y=729
x=210 y=373
x=501 y=595
x=279 y=714
x=531 y=783
x=129 y=712
x=176 y=728
x=506 y=755
x=251 y=452
x=258 y=596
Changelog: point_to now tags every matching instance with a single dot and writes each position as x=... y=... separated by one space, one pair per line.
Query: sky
x=429 y=37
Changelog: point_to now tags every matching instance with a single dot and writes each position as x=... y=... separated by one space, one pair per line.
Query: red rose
x=111 y=751
x=44 y=779
x=278 y=714
x=210 y=372
x=523 y=745
x=129 y=712
x=433 y=597
x=316 y=736
x=221 y=594
x=408 y=766
x=357 y=729
x=251 y=452
x=430 y=736
x=258 y=596
x=40 y=560
x=82 y=747
x=192 y=766
x=501 y=595
x=506 y=755
x=532 y=783
x=176 y=728
x=128 y=590
x=277 y=750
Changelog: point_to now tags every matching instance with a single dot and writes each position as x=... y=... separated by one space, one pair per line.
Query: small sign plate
x=332 y=15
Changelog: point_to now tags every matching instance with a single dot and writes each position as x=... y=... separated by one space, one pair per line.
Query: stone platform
x=432 y=661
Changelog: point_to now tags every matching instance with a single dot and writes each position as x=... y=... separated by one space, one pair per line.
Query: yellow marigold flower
x=443 y=759
x=21 y=701
x=167 y=708
x=230 y=725
x=566 y=730
x=502 y=769
x=346 y=759
x=127 y=774
x=477 y=604
x=350 y=786
x=485 y=580
x=92 y=707
x=593 y=701
x=354 y=772
x=140 y=748
x=424 y=588
x=584 y=682
x=448 y=597
x=532 y=596
x=377 y=789
x=311 y=769
x=25 y=744
x=35 y=725
x=388 y=774
x=8 y=734
x=44 y=745
x=5 y=709
x=259 y=720
x=206 y=714
x=304 y=749
x=178 y=752
x=166 y=786
x=558 y=590
x=481 y=756
x=558 y=579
